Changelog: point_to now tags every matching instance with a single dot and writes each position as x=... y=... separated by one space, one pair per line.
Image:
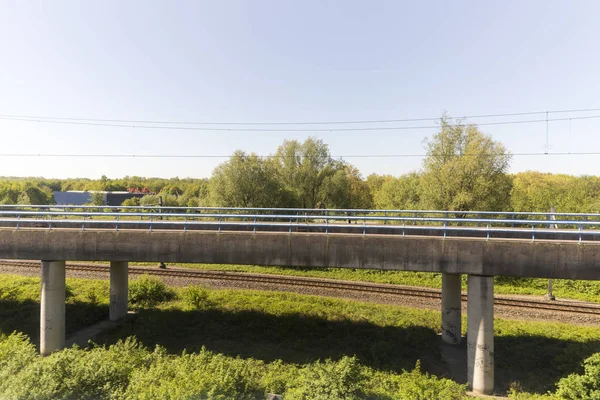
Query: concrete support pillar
x=480 y=334
x=119 y=274
x=52 y=314
x=451 y=308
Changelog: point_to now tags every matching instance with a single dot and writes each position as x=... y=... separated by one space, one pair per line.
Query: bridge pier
x=480 y=334
x=119 y=274
x=451 y=308
x=52 y=310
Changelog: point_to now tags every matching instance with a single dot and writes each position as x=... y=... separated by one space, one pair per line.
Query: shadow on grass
x=24 y=316
x=536 y=363
x=289 y=337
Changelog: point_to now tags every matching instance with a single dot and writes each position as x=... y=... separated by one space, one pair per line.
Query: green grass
x=294 y=329
x=562 y=288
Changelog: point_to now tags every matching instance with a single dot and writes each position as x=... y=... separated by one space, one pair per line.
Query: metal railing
x=518 y=225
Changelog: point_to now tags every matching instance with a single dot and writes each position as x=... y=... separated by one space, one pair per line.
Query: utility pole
x=549 y=296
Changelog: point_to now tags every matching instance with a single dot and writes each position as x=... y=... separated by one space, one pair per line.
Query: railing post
x=18 y=219
x=185 y=224
x=326 y=226
x=117 y=224
x=254 y=224
x=290 y=231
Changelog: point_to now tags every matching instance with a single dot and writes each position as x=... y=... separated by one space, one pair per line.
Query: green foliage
x=246 y=180
x=306 y=170
x=582 y=386
x=415 y=385
x=128 y=370
x=148 y=292
x=97 y=199
x=465 y=170
x=341 y=380
x=196 y=297
x=198 y=376
x=536 y=191
x=133 y=201
x=400 y=193
x=98 y=373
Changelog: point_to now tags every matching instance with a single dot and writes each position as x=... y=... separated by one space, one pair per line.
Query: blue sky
x=245 y=61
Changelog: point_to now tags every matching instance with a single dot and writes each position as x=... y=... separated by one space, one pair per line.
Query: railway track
x=388 y=289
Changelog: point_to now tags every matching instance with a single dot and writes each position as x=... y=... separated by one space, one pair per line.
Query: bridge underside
x=506 y=257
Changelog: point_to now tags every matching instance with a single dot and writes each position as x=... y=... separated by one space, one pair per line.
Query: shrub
x=195 y=297
x=147 y=292
x=204 y=375
x=584 y=386
x=328 y=380
x=98 y=373
x=418 y=386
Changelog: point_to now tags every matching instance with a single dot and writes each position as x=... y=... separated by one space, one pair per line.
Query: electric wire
x=190 y=128
x=134 y=121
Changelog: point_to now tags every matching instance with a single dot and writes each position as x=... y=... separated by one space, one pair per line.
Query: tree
x=246 y=180
x=97 y=199
x=465 y=170
x=305 y=169
x=400 y=193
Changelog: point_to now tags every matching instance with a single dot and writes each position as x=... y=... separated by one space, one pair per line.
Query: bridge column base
x=119 y=274
x=480 y=334
x=451 y=308
x=52 y=310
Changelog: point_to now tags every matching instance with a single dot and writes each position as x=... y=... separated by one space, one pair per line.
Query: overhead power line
x=59 y=155
x=194 y=128
x=379 y=121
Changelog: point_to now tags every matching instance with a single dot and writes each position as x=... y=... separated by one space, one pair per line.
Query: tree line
x=464 y=169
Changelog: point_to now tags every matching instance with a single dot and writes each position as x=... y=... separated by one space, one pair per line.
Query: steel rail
x=222 y=210
x=300 y=217
x=365 y=224
x=386 y=289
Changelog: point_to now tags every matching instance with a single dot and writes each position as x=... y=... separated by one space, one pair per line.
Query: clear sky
x=281 y=61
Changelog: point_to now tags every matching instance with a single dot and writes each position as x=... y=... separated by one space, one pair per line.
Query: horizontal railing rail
x=326 y=221
x=299 y=210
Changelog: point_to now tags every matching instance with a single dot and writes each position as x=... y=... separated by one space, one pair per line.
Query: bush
x=415 y=385
x=195 y=297
x=98 y=373
x=585 y=386
x=128 y=370
x=147 y=292
x=329 y=380
x=204 y=375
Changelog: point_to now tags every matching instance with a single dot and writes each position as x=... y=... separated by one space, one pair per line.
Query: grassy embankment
x=562 y=288
x=279 y=337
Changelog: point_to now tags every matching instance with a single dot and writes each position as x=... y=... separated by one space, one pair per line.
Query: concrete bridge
x=499 y=244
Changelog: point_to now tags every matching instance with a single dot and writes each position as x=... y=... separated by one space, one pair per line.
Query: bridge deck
x=508 y=257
